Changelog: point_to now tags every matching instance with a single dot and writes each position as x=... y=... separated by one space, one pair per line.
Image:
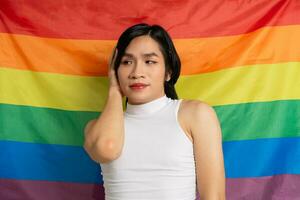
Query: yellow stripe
x=231 y=86
x=254 y=83
x=41 y=89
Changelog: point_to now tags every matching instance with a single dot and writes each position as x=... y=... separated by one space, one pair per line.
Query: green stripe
x=274 y=119
x=43 y=125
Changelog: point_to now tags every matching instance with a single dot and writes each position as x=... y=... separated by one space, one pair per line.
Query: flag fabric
x=241 y=57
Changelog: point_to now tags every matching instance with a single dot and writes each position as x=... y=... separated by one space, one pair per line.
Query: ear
x=168 y=76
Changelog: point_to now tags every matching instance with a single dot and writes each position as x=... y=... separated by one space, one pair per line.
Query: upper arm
x=88 y=140
x=207 y=139
x=88 y=126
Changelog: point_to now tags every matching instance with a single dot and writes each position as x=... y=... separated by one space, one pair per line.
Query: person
x=160 y=147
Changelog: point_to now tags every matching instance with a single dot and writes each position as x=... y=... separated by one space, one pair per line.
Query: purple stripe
x=48 y=190
x=280 y=187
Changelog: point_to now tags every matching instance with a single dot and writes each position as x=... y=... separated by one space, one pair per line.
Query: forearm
x=104 y=137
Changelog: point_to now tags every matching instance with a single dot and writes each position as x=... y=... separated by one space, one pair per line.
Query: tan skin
x=144 y=63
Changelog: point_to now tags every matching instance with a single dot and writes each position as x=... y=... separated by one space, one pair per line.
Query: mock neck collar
x=147 y=108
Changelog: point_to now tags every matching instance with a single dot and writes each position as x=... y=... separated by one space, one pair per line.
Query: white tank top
x=157 y=160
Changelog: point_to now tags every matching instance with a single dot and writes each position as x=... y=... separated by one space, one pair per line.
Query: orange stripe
x=64 y=56
x=89 y=57
x=265 y=46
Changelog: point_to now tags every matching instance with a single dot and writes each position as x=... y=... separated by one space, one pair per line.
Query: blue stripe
x=34 y=161
x=262 y=157
x=247 y=158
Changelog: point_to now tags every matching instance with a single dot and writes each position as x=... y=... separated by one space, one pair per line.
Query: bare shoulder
x=196 y=116
x=193 y=108
x=205 y=129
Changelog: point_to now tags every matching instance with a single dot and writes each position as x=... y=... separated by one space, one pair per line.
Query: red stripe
x=107 y=19
x=46 y=190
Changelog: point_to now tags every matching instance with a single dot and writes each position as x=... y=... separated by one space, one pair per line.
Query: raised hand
x=113 y=82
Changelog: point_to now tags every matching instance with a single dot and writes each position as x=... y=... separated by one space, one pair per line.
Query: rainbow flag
x=241 y=57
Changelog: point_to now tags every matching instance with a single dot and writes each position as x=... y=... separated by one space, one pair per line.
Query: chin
x=138 y=98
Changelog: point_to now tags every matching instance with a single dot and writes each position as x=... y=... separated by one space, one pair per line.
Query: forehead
x=143 y=45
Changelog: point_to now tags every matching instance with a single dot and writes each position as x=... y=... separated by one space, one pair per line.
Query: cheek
x=158 y=75
x=121 y=75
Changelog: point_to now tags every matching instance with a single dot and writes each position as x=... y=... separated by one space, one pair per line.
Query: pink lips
x=138 y=86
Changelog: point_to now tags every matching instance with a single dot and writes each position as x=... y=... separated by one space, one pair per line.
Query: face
x=141 y=72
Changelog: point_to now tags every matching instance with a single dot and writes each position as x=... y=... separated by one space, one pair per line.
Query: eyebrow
x=144 y=55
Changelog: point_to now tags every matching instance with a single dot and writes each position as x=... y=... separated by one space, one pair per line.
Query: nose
x=137 y=71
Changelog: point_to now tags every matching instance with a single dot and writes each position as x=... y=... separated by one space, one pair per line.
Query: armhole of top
x=177 y=108
x=186 y=135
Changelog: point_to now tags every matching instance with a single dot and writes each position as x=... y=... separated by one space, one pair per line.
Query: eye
x=126 y=62
x=150 y=62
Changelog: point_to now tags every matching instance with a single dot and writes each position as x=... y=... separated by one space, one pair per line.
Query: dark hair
x=160 y=35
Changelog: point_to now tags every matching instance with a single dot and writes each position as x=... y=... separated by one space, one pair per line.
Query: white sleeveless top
x=157 y=160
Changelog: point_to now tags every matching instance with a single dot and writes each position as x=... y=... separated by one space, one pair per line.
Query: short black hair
x=161 y=36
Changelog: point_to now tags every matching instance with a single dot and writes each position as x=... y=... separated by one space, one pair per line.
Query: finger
x=113 y=58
